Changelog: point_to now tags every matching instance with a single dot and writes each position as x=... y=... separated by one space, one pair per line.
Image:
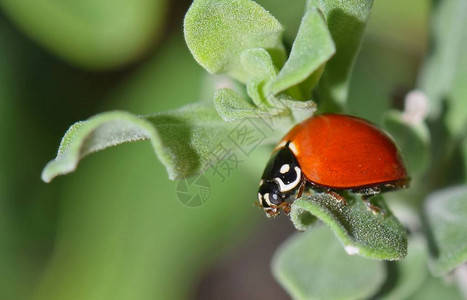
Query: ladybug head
x=280 y=181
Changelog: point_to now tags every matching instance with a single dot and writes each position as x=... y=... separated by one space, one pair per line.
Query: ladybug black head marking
x=280 y=181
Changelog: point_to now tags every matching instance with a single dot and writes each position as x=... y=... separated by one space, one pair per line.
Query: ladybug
x=331 y=153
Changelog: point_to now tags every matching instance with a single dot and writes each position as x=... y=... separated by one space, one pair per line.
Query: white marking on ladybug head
x=293 y=148
x=281 y=144
x=287 y=187
x=260 y=199
x=285 y=168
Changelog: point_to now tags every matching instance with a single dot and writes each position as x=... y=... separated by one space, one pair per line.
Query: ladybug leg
x=272 y=213
x=374 y=209
x=337 y=196
x=285 y=206
x=301 y=189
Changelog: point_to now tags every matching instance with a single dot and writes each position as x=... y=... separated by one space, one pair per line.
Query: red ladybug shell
x=345 y=152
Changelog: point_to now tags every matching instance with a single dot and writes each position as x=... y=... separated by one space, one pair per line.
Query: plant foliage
x=274 y=89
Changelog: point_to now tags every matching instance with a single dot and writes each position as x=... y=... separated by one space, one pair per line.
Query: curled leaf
x=102 y=131
x=362 y=232
x=184 y=140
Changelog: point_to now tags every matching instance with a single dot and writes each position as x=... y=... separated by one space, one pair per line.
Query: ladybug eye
x=269 y=194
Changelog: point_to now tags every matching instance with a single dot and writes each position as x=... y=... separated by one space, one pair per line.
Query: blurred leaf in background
x=388 y=63
x=92 y=34
x=39 y=98
x=310 y=265
x=446 y=212
x=27 y=208
x=444 y=75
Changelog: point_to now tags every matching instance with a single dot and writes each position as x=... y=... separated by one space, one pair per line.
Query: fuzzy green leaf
x=346 y=21
x=377 y=236
x=183 y=139
x=231 y=106
x=260 y=69
x=255 y=90
x=446 y=62
x=312 y=47
x=89 y=33
x=217 y=32
x=258 y=64
x=413 y=140
x=446 y=213
x=300 y=110
x=313 y=265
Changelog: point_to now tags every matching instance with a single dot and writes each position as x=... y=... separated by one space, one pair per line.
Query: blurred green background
x=115 y=229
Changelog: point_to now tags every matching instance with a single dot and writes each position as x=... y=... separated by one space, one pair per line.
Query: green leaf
x=120 y=221
x=456 y=115
x=377 y=236
x=231 y=106
x=285 y=113
x=446 y=62
x=260 y=69
x=300 y=110
x=184 y=140
x=312 y=265
x=407 y=275
x=93 y=34
x=435 y=289
x=255 y=90
x=412 y=139
x=217 y=32
x=446 y=214
x=312 y=47
x=463 y=149
x=346 y=21
x=258 y=64
x=211 y=83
